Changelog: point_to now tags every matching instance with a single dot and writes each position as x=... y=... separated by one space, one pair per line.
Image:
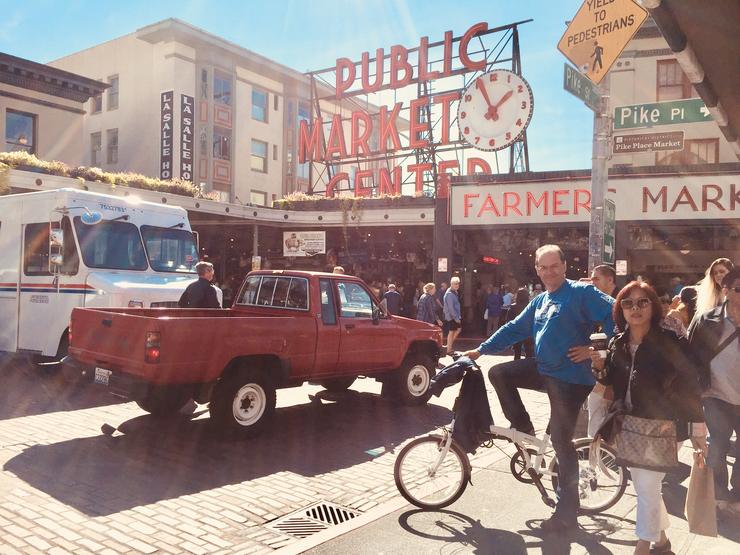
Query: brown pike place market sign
x=386 y=72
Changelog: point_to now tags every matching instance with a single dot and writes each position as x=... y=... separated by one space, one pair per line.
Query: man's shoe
x=663 y=548
x=558 y=524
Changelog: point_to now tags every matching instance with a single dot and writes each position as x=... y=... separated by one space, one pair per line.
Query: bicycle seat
x=451 y=374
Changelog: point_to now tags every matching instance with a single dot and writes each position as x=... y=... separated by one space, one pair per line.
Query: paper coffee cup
x=599 y=342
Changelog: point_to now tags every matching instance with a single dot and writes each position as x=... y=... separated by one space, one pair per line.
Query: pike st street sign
x=670 y=112
x=580 y=86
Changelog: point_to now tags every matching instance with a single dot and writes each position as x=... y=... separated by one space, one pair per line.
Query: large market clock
x=495 y=110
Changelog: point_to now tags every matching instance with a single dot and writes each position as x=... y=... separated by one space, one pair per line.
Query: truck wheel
x=339 y=384
x=413 y=379
x=163 y=401
x=243 y=403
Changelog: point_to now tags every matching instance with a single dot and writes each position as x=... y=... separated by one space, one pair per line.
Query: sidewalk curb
x=481 y=463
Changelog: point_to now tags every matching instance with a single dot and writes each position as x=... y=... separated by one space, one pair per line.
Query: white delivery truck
x=65 y=248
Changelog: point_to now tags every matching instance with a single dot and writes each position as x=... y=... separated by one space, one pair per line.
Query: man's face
x=209 y=274
x=551 y=270
x=455 y=285
x=603 y=283
x=733 y=297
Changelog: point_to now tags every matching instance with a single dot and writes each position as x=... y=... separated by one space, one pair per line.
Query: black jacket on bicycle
x=664 y=384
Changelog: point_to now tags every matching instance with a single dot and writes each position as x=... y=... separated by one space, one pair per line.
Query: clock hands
x=492 y=112
x=480 y=86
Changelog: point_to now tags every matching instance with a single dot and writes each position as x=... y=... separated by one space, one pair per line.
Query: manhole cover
x=314 y=518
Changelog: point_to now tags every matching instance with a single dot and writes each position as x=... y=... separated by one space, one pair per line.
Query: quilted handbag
x=647 y=443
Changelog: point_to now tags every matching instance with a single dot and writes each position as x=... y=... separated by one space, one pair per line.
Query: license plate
x=102 y=376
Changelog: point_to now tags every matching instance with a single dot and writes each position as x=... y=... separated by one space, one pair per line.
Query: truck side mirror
x=56 y=247
x=56 y=238
x=55 y=262
x=376 y=315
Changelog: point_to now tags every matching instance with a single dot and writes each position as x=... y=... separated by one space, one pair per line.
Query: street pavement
x=170 y=486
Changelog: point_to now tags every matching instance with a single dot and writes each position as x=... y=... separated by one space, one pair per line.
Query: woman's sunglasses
x=628 y=304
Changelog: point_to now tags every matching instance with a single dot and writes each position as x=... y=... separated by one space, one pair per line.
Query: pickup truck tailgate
x=105 y=337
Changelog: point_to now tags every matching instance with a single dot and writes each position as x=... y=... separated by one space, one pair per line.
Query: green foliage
x=176 y=186
x=4 y=186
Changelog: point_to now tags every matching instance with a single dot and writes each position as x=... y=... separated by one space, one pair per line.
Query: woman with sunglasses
x=652 y=379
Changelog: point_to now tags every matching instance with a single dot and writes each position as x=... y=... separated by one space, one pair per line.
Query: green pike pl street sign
x=580 y=86
x=670 y=112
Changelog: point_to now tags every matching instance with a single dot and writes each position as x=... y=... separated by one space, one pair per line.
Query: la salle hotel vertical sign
x=186 y=137
x=166 y=132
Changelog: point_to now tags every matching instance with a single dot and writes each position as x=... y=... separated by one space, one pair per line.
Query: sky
x=312 y=34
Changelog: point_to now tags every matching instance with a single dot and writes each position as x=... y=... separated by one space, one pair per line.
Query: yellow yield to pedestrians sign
x=598 y=33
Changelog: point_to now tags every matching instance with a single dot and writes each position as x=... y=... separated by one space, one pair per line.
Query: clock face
x=495 y=110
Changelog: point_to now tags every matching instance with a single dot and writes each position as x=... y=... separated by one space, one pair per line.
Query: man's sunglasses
x=627 y=304
x=736 y=289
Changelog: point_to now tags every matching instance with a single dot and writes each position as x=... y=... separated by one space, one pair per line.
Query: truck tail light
x=151 y=352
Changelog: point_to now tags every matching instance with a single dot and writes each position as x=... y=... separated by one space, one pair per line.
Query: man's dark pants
x=566 y=400
x=722 y=419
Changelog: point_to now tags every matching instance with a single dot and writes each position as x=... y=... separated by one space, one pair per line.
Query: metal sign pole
x=599 y=177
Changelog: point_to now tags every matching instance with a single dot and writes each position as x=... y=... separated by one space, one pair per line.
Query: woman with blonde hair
x=709 y=288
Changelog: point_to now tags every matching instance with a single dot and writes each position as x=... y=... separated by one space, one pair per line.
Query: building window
x=96 y=146
x=221 y=143
x=672 y=83
x=259 y=156
x=695 y=151
x=222 y=88
x=258 y=197
x=259 y=105
x=20 y=131
x=112 y=144
x=113 y=92
x=96 y=103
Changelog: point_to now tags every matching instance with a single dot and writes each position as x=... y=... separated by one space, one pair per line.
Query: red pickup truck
x=285 y=328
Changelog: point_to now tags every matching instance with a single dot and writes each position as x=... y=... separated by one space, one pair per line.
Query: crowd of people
x=669 y=366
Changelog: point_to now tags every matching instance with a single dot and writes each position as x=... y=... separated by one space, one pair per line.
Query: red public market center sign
x=362 y=124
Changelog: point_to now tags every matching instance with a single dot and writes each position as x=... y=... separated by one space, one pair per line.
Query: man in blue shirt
x=561 y=319
x=452 y=315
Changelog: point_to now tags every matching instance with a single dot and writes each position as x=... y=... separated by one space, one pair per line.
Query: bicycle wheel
x=597 y=489
x=425 y=487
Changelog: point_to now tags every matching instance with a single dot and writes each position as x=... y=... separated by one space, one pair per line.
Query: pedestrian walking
x=656 y=392
x=393 y=299
x=201 y=293
x=521 y=300
x=559 y=319
x=452 y=314
x=709 y=289
x=714 y=339
x=426 y=309
x=680 y=316
x=494 y=306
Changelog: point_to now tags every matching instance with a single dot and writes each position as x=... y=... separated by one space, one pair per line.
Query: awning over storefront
x=704 y=36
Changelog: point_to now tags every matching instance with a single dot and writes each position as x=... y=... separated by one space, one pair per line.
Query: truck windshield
x=111 y=245
x=170 y=250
